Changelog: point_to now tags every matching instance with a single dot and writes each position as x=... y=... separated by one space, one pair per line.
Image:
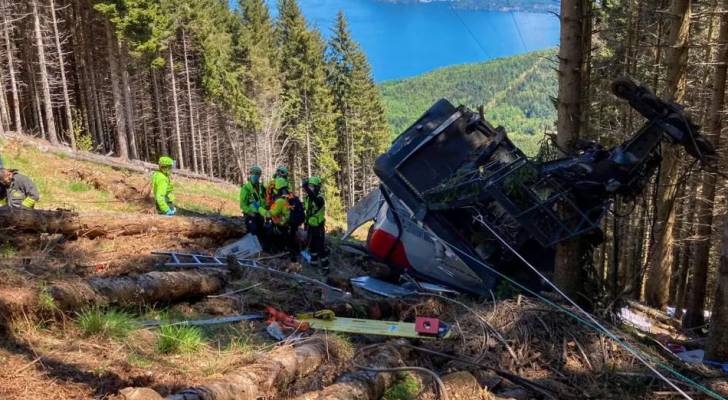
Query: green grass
x=59 y=189
x=406 y=389
x=78 y=187
x=174 y=339
x=45 y=300
x=7 y=250
x=109 y=323
x=139 y=361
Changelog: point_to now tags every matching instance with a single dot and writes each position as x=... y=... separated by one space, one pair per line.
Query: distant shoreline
x=531 y=6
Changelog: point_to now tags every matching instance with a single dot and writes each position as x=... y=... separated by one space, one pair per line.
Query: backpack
x=298 y=215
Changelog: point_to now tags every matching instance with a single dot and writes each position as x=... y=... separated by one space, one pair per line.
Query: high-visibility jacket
x=279 y=212
x=162 y=188
x=270 y=191
x=21 y=193
x=251 y=197
x=315 y=207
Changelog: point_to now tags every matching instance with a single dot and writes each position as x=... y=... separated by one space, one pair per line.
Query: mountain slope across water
x=516 y=92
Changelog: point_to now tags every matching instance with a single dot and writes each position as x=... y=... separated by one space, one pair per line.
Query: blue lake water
x=403 y=40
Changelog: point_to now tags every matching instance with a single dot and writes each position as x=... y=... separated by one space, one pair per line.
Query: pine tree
x=362 y=130
x=309 y=114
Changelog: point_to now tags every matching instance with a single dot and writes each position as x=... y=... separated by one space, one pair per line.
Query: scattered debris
x=247 y=247
x=422 y=328
x=204 y=322
x=381 y=288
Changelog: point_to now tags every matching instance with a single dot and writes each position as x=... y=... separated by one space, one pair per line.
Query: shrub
x=110 y=323
x=179 y=339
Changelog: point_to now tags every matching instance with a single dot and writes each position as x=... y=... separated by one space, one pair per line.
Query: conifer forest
x=383 y=289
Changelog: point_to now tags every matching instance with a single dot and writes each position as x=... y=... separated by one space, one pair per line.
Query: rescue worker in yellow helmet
x=252 y=197
x=162 y=187
x=17 y=190
x=314 y=205
x=281 y=232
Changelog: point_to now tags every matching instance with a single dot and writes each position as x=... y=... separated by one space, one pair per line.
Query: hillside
x=516 y=92
x=86 y=187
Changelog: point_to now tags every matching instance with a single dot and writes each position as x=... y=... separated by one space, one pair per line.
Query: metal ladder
x=186 y=260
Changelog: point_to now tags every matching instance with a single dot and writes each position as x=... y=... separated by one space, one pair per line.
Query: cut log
x=362 y=384
x=264 y=378
x=149 y=288
x=94 y=225
x=462 y=385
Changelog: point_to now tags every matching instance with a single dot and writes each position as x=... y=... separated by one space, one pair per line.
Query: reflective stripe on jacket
x=162 y=188
x=21 y=193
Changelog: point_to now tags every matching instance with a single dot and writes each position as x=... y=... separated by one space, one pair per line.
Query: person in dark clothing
x=314 y=205
x=17 y=190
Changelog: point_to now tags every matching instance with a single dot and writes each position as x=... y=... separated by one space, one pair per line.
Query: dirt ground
x=46 y=354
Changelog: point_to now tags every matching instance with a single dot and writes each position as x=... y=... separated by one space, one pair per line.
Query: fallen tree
x=265 y=377
x=149 y=288
x=363 y=384
x=94 y=225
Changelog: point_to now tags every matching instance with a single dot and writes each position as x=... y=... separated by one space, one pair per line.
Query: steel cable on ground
x=592 y=323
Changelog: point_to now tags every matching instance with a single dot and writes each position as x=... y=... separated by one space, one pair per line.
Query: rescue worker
x=17 y=190
x=281 y=172
x=162 y=187
x=280 y=232
x=252 y=197
x=314 y=205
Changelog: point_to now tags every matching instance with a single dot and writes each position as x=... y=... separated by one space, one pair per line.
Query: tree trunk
x=11 y=72
x=717 y=344
x=128 y=100
x=263 y=378
x=660 y=265
x=145 y=289
x=195 y=167
x=161 y=131
x=94 y=225
x=361 y=384
x=121 y=140
x=64 y=83
x=47 y=105
x=697 y=293
x=177 y=135
x=568 y=274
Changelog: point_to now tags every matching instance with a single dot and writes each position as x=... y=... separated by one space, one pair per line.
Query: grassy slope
x=85 y=186
x=516 y=91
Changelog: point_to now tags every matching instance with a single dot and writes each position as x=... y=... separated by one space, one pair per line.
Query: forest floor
x=49 y=354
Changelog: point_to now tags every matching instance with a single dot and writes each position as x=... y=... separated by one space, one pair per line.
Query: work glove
x=170 y=212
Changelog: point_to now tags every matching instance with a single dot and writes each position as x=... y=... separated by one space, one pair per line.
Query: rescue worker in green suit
x=252 y=197
x=162 y=187
x=281 y=172
x=314 y=205
x=17 y=190
x=280 y=231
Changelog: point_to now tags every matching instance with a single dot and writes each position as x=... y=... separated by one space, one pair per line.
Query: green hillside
x=516 y=92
